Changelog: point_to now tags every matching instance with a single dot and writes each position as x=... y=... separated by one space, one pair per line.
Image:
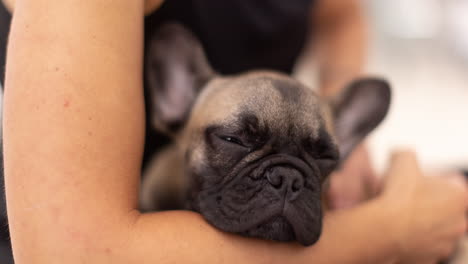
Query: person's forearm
x=73 y=126
x=364 y=234
x=340 y=42
x=367 y=233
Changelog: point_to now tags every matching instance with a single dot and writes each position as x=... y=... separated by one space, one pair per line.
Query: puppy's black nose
x=287 y=180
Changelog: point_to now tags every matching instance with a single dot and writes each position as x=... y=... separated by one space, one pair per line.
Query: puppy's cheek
x=202 y=181
x=244 y=191
x=306 y=219
x=224 y=159
x=326 y=167
x=239 y=206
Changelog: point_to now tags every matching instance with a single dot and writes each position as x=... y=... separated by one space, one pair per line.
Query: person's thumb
x=457 y=179
x=403 y=169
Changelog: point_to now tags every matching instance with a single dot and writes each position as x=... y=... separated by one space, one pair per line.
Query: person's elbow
x=81 y=240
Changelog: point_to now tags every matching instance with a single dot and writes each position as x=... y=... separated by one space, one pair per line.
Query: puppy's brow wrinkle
x=287 y=89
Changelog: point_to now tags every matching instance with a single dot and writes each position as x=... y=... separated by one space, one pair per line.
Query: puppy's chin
x=277 y=198
x=280 y=229
x=276 y=228
x=273 y=222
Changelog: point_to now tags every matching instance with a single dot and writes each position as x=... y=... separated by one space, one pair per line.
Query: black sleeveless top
x=240 y=35
x=237 y=35
x=5 y=19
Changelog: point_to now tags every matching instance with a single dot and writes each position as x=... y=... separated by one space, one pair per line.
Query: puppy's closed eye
x=232 y=139
x=321 y=150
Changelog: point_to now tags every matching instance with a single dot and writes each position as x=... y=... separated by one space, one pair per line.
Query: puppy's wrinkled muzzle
x=276 y=198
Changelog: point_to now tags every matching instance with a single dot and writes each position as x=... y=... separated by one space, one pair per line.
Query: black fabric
x=6 y=256
x=241 y=35
x=237 y=36
x=5 y=19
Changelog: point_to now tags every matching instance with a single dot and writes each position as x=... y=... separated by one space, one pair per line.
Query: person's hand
x=429 y=212
x=355 y=182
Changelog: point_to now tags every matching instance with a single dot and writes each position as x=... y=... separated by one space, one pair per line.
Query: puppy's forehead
x=277 y=100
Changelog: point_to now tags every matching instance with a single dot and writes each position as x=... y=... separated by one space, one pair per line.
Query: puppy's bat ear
x=176 y=69
x=358 y=110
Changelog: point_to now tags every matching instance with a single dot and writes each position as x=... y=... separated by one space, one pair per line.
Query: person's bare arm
x=73 y=127
x=349 y=236
x=339 y=39
x=73 y=139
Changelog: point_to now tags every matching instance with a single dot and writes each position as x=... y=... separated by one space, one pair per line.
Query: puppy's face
x=258 y=160
x=258 y=146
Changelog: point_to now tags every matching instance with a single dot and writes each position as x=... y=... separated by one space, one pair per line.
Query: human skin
x=339 y=38
x=73 y=142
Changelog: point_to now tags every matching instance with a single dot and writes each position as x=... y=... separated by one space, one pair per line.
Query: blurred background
x=421 y=47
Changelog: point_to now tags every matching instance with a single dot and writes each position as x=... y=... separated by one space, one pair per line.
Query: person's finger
x=372 y=184
x=457 y=179
x=402 y=169
x=448 y=249
x=461 y=228
x=404 y=160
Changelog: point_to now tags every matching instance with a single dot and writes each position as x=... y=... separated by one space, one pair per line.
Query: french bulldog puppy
x=252 y=151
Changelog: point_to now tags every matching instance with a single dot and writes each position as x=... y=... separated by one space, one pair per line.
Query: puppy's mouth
x=287 y=227
x=276 y=228
x=279 y=199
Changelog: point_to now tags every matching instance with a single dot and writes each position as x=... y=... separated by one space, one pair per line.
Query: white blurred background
x=421 y=46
